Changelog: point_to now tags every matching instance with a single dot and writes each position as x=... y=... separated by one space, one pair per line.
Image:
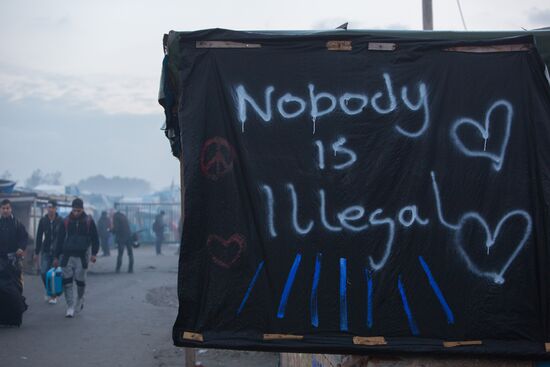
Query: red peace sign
x=216 y=158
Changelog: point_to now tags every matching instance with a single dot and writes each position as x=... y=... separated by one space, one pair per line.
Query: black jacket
x=13 y=236
x=46 y=235
x=103 y=226
x=121 y=228
x=76 y=236
x=158 y=225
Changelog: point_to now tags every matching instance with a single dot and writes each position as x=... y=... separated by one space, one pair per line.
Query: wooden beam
x=461 y=343
x=190 y=357
x=192 y=336
x=369 y=340
x=339 y=45
x=282 y=337
x=491 y=48
x=427 y=15
x=225 y=44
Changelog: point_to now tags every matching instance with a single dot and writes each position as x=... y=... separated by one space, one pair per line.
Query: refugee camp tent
x=362 y=191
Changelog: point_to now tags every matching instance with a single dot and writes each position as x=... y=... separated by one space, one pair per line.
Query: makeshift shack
x=362 y=192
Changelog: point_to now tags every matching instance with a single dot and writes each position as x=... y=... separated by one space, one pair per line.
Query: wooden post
x=427 y=15
x=190 y=357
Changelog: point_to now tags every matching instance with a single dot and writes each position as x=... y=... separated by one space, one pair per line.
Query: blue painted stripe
x=369 y=298
x=314 y=308
x=343 y=296
x=437 y=291
x=412 y=323
x=250 y=286
x=288 y=286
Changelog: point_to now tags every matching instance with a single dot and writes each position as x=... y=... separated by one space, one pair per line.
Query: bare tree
x=38 y=177
x=53 y=178
x=34 y=180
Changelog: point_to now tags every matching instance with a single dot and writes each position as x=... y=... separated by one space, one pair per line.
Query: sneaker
x=70 y=312
x=79 y=304
x=47 y=298
x=52 y=301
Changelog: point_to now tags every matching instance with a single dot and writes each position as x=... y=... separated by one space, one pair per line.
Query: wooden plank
x=491 y=48
x=369 y=340
x=461 y=343
x=192 y=336
x=190 y=356
x=339 y=45
x=225 y=44
x=282 y=337
x=382 y=46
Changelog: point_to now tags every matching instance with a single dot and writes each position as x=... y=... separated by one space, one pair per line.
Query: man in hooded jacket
x=123 y=236
x=77 y=235
x=46 y=240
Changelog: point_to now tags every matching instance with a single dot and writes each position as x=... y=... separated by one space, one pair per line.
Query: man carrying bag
x=46 y=240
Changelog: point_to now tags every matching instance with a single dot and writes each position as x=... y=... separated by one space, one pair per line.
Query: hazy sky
x=79 y=79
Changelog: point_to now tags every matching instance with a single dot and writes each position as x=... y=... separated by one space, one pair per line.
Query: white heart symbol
x=498 y=159
x=497 y=277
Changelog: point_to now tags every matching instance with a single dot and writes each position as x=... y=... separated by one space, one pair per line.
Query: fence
x=142 y=215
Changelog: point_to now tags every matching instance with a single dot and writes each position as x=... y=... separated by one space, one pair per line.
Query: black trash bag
x=12 y=302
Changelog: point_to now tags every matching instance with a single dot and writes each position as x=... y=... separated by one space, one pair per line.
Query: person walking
x=13 y=242
x=103 y=228
x=46 y=241
x=76 y=236
x=13 y=239
x=123 y=238
x=158 y=228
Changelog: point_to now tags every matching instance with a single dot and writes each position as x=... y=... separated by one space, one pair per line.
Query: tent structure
x=362 y=192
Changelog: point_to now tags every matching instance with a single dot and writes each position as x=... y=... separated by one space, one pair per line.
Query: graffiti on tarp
x=348 y=103
x=347 y=202
x=354 y=217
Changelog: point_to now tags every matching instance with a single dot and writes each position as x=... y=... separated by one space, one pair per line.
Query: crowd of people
x=70 y=243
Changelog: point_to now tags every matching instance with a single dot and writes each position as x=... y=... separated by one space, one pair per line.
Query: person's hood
x=56 y=215
x=82 y=216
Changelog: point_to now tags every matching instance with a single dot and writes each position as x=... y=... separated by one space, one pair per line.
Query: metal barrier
x=142 y=215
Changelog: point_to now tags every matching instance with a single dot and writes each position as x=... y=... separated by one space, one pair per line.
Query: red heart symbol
x=220 y=249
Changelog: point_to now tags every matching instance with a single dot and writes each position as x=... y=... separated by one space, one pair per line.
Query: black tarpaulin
x=388 y=196
x=12 y=302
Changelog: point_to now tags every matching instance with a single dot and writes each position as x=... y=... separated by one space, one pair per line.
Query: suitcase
x=54 y=282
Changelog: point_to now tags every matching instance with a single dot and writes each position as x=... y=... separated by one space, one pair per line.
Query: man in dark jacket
x=46 y=240
x=13 y=241
x=103 y=227
x=78 y=233
x=123 y=237
x=13 y=238
x=158 y=228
